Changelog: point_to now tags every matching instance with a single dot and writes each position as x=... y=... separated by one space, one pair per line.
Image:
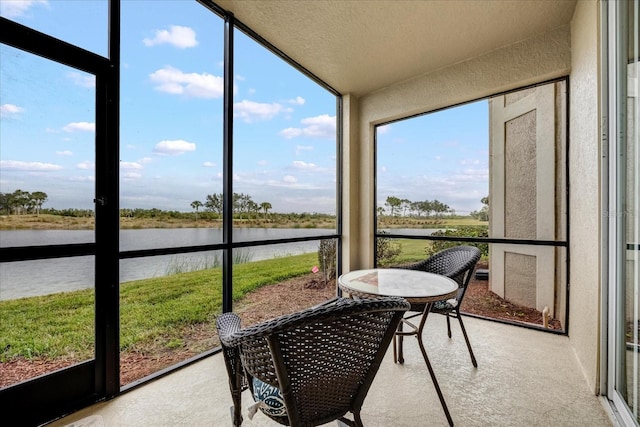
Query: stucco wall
x=350 y=183
x=584 y=217
x=572 y=49
x=531 y=61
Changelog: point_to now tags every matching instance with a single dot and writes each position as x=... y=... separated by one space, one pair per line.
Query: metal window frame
x=531 y=242
x=56 y=399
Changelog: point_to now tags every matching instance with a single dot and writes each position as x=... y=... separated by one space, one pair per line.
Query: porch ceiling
x=362 y=46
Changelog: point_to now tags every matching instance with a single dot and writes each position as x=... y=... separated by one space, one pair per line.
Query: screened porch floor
x=524 y=378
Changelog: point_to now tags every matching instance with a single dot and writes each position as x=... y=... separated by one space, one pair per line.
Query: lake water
x=41 y=277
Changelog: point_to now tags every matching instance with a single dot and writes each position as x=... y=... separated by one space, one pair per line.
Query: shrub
x=386 y=251
x=463 y=231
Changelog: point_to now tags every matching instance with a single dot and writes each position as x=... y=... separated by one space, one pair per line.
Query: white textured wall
x=531 y=61
x=350 y=183
x=584 y=202
x=572 y=49
x=568 y=49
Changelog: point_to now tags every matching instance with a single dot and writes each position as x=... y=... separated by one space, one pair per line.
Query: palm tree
x=265 y=206
x=39 y=198
x=196 y=204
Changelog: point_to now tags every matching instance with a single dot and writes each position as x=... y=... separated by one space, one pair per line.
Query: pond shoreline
x=58 y=222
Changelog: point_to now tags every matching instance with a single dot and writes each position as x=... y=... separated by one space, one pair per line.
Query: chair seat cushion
x=445 y=305
x=269 y=399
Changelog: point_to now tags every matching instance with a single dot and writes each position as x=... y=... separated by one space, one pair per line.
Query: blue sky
x=438 y=156
x=171 y=120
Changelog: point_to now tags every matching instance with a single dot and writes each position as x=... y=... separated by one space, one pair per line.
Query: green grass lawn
x=151 y=310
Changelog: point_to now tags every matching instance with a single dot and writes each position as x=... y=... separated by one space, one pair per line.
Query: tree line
x=397 y=207
x=242 y=204
x=22 y=202
x=405 y=207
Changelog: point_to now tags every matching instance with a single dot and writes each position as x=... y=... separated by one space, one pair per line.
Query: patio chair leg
x=357 y=419
x=236 y=395
x=346 y=422
x=236 y=415
x=397 y=344
x=395 y=349
x=466 y=338
x=448 y=326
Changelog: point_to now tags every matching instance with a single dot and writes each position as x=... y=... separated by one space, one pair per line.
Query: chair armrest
x=228 y=324
x=335 y=307
x=327 y=302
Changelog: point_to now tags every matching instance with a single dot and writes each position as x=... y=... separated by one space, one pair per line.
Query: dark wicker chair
x=320 y=361
x=458 y=264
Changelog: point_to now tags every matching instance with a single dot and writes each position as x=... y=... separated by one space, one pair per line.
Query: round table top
x=415 y=286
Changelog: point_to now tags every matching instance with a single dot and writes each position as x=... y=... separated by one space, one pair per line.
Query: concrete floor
x=524 y=378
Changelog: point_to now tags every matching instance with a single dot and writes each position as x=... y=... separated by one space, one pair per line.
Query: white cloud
x=83 y=80
x=323 y=126
x=89 y=178
x=383 y=129
x=263 y=163
x=14 y=9
x=145 y=160
x=179 y=36
x=250 y=110
x=7 y=110
x=129 y=176
x=298 y=164
x=80 y=127
x=64 y=153
x=209 y=164
x=302 y=148
x=86 y=165
x=289 y=179
x=476 y=174
x=29 y=166
x=193 y=85
x=130 y=165
x=173 y=148
x=298 y=100
x=470 y=162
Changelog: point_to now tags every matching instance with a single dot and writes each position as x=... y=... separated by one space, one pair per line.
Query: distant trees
x=265 y=206
x=483 y=213
x=214 y=202
x=242 y=204
x=393 y=203
x=405 y=207
x=196 y=204
x=22 y=202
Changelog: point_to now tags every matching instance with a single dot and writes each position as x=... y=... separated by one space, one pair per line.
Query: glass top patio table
x=417 y=287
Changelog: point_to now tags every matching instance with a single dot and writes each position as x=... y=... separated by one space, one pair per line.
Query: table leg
x=426 y=359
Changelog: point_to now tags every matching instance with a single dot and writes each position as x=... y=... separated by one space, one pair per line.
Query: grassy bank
x=59 y=222
x=152 y=310
x=276 y=220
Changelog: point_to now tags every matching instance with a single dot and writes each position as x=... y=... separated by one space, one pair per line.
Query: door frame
x=614 y=28
x=63 y=391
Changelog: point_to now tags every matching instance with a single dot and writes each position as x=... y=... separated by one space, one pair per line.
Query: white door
x=624 y=245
